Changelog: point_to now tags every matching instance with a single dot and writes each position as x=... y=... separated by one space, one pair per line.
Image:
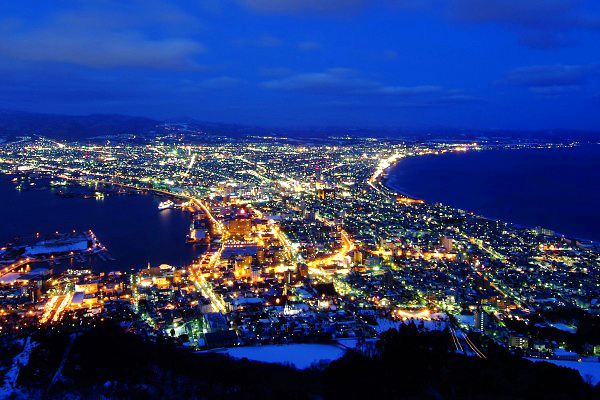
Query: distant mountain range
x=73 y=127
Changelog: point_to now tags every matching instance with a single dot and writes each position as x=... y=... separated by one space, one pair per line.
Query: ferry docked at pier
x=163 y=205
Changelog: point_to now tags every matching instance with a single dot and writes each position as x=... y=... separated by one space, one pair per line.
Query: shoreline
x=383 y=182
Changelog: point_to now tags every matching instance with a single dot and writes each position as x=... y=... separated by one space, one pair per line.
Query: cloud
x=540 y=24
x=102 y=50
x=102 y=38
x=344 y=88
x=340 y=81
x=528 y=13
x=551 y=75
x=331 y=80
x=302 y=6
x=331 y=6
x=552 y=81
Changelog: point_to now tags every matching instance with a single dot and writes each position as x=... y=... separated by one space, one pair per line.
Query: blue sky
x=509 y=64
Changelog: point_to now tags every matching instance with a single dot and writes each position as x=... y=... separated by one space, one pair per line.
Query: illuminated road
x=206 y=263
x=49 y=308
x=290 y=251
x=55 y=308
x=14 y=266
x=219 y=227
x=455 y=340
x=190 y=165
x=462 y=342
x=383 y=165
x=347 y=246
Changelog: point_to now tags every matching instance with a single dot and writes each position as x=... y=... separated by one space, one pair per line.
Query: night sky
x=509 y=64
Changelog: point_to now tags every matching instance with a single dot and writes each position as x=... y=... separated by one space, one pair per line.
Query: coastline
x=383 y=182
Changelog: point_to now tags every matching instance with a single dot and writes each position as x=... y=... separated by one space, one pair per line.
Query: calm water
x=131 y=227
x=555 y=188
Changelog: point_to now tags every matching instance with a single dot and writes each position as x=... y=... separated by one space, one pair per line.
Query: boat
x=163 y=205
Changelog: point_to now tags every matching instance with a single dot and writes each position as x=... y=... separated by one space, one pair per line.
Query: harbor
x=128 y=224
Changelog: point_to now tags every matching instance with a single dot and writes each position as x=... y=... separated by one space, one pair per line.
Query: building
x=480 y=320
x=302 y=270
x=447 y=243
x=518 y=342
x=242 y=266
x=544 y=231
x=215 y=322
x=239 y=226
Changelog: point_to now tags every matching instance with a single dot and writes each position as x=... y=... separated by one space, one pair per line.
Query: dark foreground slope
x=109 y=363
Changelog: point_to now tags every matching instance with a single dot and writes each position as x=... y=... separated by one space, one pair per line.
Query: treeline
x=108 y=363
x=414 y=365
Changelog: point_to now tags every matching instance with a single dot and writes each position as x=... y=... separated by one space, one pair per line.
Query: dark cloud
x=540 y=24
x=345 y=81
x=552 y=81
x=302 y=6
x=557 y=75
x=333 y=6
x=341 y=80
x=530 y=13
x=103 y=38
x=359 y=92
x=101 y=49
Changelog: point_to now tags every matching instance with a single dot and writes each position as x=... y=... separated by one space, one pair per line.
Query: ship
x=163 y=205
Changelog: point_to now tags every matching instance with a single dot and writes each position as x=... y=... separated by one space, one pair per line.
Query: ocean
x=556 y=188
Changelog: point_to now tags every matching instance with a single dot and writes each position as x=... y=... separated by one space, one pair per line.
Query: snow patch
x=299 y=355
x=9 y=388
x=587 y=369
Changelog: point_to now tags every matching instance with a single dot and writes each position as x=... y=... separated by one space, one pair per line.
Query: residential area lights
x=302 y=237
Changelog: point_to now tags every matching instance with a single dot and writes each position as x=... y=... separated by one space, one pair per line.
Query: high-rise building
x=447 y=243
x=518 y=342
x=480 y=320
